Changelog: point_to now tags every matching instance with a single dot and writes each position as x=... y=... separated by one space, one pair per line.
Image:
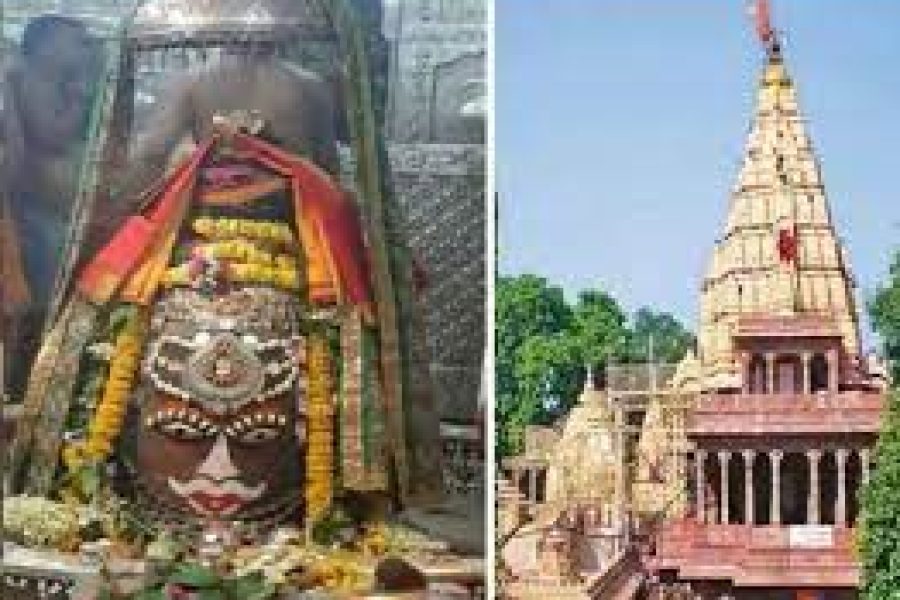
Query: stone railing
x=777 y=556
x=543 y=590
x=763 y=414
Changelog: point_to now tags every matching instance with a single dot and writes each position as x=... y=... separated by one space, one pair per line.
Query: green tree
x=878 y=538
x=884 y=308
x=548 y=374
x=543 y=344
x=600 y=328
x=879 y=542
x=527 y=307
x=671 y=340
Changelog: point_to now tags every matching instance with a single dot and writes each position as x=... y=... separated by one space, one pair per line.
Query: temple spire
x=780 y=258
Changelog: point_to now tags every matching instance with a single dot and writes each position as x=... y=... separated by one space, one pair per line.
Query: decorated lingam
x=225 y=379
x=216 y=305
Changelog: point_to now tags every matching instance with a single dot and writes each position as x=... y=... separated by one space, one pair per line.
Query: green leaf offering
x=196 y=576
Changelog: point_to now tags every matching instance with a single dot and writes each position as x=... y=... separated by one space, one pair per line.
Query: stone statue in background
x=46 y=97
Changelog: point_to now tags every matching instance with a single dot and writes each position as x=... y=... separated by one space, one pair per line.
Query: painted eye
x=182 y=431
x=258 y=435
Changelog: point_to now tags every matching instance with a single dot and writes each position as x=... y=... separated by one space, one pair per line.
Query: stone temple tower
x=785 y=411
x=779 y=262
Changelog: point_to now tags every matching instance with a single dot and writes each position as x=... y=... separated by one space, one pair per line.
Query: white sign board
x=811 y=536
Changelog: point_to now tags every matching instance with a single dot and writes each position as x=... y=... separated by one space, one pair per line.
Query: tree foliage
x=529 y=313
x=884 y=309
x=879 y=535
x=600 y=328
x=544 y=344
x=670 y=339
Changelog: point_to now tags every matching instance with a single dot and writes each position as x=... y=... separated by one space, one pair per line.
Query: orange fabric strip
x=243 y=194
x=125 y=253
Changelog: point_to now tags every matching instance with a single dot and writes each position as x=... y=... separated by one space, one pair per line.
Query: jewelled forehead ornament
x=225 y=352
x=244 y=121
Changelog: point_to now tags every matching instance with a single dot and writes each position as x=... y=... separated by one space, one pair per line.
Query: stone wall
x=435 y=126
x=101 y=15
x=438 y=77
x=440 y=191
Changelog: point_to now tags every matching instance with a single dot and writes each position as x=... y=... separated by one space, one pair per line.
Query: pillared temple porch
x=773 y=485
x=775 y=468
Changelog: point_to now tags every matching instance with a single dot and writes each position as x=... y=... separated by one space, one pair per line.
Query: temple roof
x=779 y=257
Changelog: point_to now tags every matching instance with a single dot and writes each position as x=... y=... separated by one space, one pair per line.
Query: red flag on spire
x=764 y=21
x=763 y=17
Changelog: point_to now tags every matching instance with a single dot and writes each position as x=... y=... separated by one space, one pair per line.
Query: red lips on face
x=216 y=504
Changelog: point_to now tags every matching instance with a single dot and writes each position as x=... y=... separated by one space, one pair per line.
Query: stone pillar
x=724 y=457
x=746 y=375
x=833 y=370
x=532 y=484
x=864 y=461
x=813 y=508
x=620 y=467
x=770 y=372
x=748 y=455
x=806 y=359
x=699 y=460
x=775 y=457
x=840 y=504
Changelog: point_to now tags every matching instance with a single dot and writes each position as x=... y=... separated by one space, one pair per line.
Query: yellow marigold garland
x=319 y=451
x=225 y=228
x=247 y=263
x=106 y=423
x=253 y=273
x=246 y=251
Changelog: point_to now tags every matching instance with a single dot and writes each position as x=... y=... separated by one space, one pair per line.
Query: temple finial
x=243 y=121
x=589 y=378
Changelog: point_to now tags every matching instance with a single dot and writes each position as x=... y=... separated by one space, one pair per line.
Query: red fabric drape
x=331 y=209
x=317 y=197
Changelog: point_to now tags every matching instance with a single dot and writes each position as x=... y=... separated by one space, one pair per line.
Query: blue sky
x=620 y=126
